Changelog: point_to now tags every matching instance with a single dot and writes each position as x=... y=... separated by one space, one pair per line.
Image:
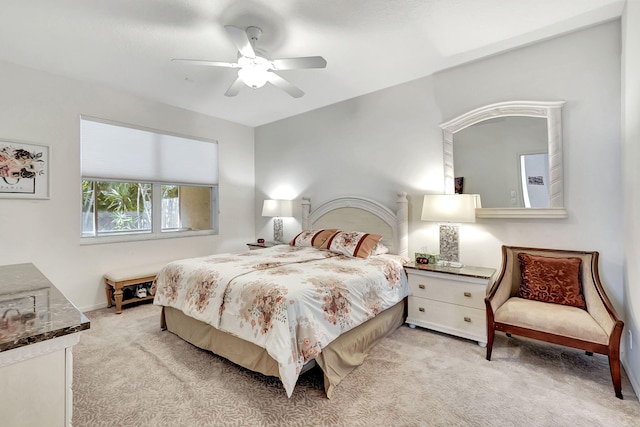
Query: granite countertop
x=32 y=309
x=467 y=270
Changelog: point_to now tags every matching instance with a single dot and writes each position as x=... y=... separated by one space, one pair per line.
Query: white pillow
x=380 y=249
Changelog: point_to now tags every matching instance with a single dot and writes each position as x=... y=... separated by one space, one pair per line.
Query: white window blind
x=113 y=152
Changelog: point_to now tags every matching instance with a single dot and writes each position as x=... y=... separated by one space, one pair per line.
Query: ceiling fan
x=256 y=67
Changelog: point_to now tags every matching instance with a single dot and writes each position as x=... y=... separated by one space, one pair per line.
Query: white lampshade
x=280 y=208
x=450 y=207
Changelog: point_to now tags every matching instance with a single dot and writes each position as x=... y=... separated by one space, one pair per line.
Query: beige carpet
x=129 y=373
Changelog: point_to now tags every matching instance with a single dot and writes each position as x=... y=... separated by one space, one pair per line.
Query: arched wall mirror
x=511 y=154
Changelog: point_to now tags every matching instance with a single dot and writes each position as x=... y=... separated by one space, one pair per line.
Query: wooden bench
x=115 y=280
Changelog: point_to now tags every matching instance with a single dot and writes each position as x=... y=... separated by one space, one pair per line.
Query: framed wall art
x=459 y=184
x=24 y=170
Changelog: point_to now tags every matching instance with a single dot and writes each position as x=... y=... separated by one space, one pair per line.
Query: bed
x=326 y=299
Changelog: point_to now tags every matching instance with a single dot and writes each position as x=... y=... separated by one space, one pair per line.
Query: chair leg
x=614 y=366
x=490 y=335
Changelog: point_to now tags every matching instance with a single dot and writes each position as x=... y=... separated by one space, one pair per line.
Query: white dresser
x=449 y=299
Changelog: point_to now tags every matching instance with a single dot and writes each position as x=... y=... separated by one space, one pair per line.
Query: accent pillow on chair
x=551 y=279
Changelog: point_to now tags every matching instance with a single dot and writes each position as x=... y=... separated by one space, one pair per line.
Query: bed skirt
x=336 y=360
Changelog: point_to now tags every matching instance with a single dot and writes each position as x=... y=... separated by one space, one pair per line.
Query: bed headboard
x=352 y=213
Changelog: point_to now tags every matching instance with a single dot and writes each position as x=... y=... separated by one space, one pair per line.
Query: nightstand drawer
x=449 y=318
x=454 y=292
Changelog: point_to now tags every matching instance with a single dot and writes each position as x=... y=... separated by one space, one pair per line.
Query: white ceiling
x=368 y=44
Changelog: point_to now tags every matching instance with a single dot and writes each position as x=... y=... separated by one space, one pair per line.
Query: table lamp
x=450 y=210
x=277 y=209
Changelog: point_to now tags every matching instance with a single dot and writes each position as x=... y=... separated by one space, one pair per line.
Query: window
x=111 y=208
x=142 y=184
x=185 y=208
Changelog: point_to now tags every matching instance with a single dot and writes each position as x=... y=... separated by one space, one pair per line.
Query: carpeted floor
x=129 y=373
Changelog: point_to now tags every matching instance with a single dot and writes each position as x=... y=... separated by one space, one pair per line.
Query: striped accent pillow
x=354 y=244
x=313 y=238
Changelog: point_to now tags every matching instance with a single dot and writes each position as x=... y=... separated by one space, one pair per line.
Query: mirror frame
x=552 y=111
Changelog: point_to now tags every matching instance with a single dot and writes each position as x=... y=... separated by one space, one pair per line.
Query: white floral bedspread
x=292 y=301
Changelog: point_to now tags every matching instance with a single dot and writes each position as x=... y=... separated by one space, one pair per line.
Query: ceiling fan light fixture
x=254 y=71
x=255 y=65
x=253 y=77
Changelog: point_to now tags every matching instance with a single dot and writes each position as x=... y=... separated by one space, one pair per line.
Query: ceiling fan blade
x=234 y=88
x=209 y=63
x=297 y=63
x=239 y=38
x=281 y=83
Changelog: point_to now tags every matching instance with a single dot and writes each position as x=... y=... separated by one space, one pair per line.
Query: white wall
x=631 y=185
x=373 y=146
x=389 y=141
x=41 y=108
x=582 y=69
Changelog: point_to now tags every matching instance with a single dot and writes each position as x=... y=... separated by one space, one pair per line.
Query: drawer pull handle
x=421 y=309
x=467 y=294
x=467 y=319
x=421 y=286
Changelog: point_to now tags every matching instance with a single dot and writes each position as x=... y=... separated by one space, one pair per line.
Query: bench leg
x=118 y=298
x=109 y=291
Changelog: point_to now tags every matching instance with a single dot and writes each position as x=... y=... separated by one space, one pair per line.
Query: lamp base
x=451 y=264
x=449 y=244
x=277 y=229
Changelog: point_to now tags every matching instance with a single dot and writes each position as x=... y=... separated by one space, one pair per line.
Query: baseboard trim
x=92 y=307
x=632 y=379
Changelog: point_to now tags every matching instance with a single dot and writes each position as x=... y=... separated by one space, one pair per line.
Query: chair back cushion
x=551 y=279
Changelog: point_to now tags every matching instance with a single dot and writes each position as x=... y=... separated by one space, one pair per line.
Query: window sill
x=135 y=237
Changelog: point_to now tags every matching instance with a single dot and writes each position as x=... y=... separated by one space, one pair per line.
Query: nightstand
x=256 y=245
x=449 y=299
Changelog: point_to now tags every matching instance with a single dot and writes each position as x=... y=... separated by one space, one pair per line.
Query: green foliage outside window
x=116 y=206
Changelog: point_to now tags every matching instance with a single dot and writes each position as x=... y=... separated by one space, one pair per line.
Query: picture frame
x=458 y=184
x=24 y=170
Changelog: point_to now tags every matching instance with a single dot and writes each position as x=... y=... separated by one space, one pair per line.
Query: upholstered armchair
x=537 y=295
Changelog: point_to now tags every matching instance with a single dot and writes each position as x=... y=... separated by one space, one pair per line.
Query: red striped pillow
x=313 y=238
x=352 y=243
